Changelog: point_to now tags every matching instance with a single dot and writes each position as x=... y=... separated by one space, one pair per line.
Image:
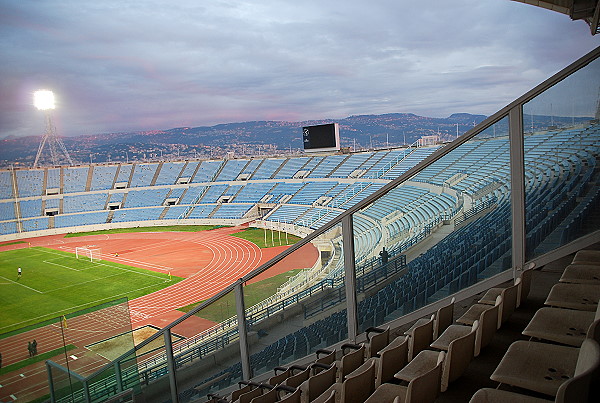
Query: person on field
x=19 y=272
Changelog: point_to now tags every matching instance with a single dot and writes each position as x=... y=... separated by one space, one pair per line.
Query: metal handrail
x=431 y=159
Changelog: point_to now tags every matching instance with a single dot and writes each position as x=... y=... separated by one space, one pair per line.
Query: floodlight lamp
x=43 y=100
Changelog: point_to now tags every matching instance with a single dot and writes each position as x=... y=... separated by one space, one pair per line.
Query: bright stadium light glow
x=43 y=100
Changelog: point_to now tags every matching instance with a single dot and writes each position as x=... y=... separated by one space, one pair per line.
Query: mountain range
x=257 y=138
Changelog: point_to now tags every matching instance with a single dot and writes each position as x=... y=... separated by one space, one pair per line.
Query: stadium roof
x=587 y=10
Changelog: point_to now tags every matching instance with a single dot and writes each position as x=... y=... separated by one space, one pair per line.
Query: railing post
x=517 y=187
x=50 y=382
x=350 y=273
x=171 y=365
x=118 y=376
x=242 y=330
x=86 y=391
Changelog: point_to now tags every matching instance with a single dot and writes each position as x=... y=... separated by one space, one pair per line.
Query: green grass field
x=166 y=228
x=11 y=243
x=55 y=283
x=273 y=238
x=254 y=235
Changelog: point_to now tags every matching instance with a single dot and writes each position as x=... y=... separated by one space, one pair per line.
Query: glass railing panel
x=78 y=343
x=298 y=305
x=117 y=341
x=562 y=143
x=442 y=230
x=18 y=355
x=206 y=350
x=65 y=387
x=147 y=370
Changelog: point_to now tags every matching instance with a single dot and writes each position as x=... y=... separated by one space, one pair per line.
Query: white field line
x=114 y=267
x=61 y=265
x=22 y=285
x=52 y=315
x=127 y=261
x=80 y=283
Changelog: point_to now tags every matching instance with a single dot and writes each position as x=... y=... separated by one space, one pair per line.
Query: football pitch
x=54 y=283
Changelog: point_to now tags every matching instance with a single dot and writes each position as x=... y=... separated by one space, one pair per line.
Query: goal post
x=89 y=252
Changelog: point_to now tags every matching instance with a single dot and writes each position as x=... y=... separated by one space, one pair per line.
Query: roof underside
x=587 y=10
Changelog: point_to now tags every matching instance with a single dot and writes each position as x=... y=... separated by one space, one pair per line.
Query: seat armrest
x=373 y=330
x=240 y=383
x=297 y=367
x=282 y=369
x=350 y=346
x=285 y=388
x=323 y=351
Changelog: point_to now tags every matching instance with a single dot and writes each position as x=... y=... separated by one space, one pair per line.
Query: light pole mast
x=44 y=101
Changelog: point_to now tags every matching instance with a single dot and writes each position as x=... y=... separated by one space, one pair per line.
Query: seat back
x=268 y=397
x=593 y=331
x=587 y=256
x=357 y=388
x=378 y=341
x=488 y=324
x=426 y=388
x=331 y=398
x=314 y=386
x=278 y=378
x=392 y=359
x=581 y=387
x=420 y=338
x=248 y=396
x=351 y=361
x=444 y=318
x=296 y=380
x=509 y=302
x=236 y=393
x=525 y=284
x=459 y=356
x=294 y=397
x=327 y=359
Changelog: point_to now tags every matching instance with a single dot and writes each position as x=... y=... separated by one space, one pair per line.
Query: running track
x=209 y=260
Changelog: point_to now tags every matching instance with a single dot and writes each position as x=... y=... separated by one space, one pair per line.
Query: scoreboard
x=321 y=137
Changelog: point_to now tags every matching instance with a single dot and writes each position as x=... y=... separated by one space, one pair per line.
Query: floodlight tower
x=44 y=101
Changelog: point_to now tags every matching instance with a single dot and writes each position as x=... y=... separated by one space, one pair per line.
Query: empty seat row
x=567 y=353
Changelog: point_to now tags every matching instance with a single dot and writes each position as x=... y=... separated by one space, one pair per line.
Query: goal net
x=88 y=252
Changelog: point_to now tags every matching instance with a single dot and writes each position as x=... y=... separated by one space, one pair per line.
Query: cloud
x=118 y=66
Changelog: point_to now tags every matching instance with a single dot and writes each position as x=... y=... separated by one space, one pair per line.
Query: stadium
x=393 y=246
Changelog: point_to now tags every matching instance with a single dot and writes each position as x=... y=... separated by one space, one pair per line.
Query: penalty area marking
x=80 y=306
x=114 y=267
x=61 y=265
x=22 y=285
x=162 y=280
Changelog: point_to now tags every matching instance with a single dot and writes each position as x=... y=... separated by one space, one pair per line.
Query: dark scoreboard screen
x=321 y=137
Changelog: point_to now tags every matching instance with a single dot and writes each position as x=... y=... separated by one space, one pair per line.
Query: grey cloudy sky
x=140 y=65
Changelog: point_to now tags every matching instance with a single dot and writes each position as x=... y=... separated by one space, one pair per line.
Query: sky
x=118 y=66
